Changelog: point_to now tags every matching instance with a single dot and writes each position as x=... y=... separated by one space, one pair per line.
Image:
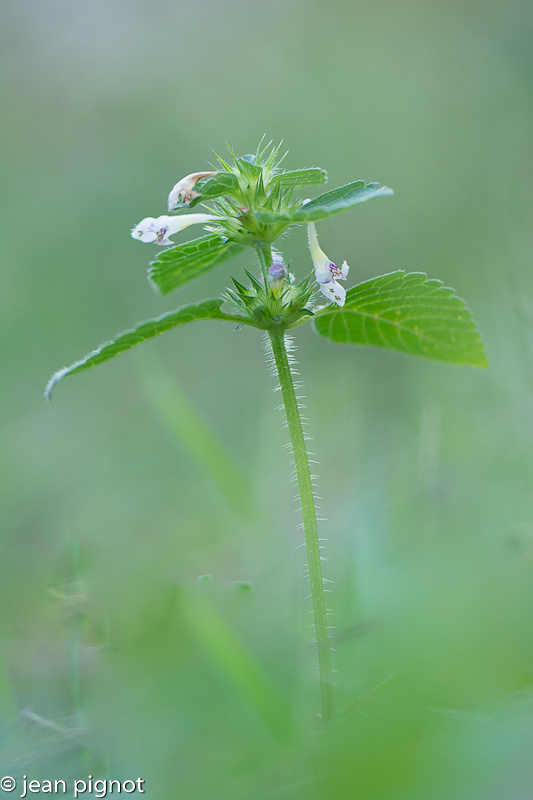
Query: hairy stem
x=301 y=462
x=264 y=253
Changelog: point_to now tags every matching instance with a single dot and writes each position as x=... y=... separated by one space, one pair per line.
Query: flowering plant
x=251 y=203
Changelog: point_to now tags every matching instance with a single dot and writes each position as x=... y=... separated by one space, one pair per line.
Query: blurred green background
x=167 y=465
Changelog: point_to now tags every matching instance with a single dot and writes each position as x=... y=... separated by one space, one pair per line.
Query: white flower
x=326 y=272
x=185 y=188
x=159 y=229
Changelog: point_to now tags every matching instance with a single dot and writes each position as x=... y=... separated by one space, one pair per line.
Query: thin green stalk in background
x=305 y=487
x=73 y=634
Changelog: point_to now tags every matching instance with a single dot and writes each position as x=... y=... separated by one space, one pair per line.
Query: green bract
x=225 y=183
x=250 y=203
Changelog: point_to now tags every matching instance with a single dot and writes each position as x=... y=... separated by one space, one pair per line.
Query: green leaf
x=221 y=184
x=303 y=177
x=179 y=265
x=406 y=312
x=325 y=205
x=208 y=309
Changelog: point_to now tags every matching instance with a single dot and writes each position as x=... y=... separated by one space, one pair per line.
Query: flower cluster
x=248 y=202
x=252 y=206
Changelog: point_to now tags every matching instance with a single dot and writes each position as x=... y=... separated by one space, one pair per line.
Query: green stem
x=264 y=252
x=305 y=486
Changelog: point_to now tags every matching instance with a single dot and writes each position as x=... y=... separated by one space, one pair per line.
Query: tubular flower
x=185 y=188
x=157 y=230
x=326 y=272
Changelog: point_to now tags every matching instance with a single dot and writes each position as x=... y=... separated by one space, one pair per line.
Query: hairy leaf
x=406 y=312
x=303 y=177
x=222 y=183
x=325 y=205
x=179 y=265
x=208 y=309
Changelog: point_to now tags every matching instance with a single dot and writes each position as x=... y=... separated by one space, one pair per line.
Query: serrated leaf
x=405 y=312
x=179 y=265
x=208 y=309
x=222 y=183
x=325 y=205
x=303 y=177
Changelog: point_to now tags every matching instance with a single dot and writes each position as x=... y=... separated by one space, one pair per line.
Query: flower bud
x=185 y=188
x=276 y=277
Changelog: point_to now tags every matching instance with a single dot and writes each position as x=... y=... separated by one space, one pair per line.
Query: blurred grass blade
x=325 y=205
x=8 y=701
x=179 y=265
x=208 y=309
x=406 y=312
x=303 y=177
x=235 y=662
x=194 y=434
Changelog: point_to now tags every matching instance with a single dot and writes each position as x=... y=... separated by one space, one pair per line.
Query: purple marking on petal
x=277 y=271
